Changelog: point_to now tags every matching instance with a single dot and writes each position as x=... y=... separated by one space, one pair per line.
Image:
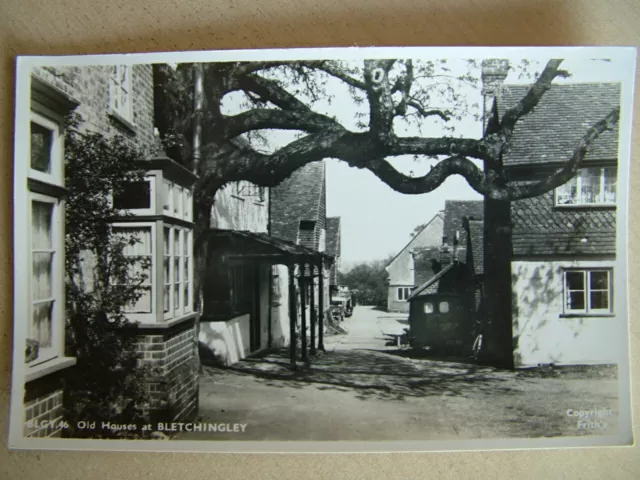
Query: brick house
x=113 y=99
x=406 y=270
x=563 y=242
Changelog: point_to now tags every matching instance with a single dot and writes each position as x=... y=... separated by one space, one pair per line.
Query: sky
x=376 y=221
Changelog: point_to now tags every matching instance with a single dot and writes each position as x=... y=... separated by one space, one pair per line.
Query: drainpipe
x=197 y=114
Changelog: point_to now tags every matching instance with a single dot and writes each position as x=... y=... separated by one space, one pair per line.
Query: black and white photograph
x=317 y=250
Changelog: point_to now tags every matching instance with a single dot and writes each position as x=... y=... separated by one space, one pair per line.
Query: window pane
x=135 y=195
x=167 y=241
x=41 y=219
x=444 y=307
x=610 y=185
x=567 y=194
x=599 y=280
x=41 y=323
x=42 y=273
x=575 y=301
x=599 y=300
x=166 y=195
x=143 y=305
x=591 y=191
x=177 y=200
x=167 y=298
x=575 y=280
x=41 y=142
x=428 y=308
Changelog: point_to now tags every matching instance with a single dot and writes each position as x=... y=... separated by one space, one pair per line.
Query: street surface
x=366 y=388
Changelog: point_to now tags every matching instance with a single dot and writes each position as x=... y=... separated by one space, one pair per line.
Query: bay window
x=588 y=291
x=160 y=216
x=142 y=266
x=44 y=328
x=44 y=250
x=590 y=186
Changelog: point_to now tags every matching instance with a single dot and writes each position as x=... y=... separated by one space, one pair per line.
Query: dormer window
x=589 y=187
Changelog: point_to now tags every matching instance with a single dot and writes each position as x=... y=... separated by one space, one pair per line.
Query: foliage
x=369 y=279
x=106 y=383
x=391 y=100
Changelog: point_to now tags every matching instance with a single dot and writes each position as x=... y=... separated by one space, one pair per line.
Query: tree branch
x=569 y=169
x=454 y=165
x=424 y=113
x=333 y=69
x=264 y=118
x=533 y=95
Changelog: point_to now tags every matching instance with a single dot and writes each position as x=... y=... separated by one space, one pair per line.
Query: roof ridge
x=413 y=238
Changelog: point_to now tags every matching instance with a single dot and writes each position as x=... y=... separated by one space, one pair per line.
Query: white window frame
x=123 y=112
x=587 y=310
x=578 y=179
x=403 y=293
x=151 y=316
x=152 y=179
x=57 y=148
x=185 y=235
x=57 y=278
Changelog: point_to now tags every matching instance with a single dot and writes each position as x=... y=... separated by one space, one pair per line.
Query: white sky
x=377 y=221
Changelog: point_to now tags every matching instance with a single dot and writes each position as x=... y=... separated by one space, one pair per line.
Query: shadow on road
x=378 y=375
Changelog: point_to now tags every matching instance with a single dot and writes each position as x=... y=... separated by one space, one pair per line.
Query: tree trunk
x=498 y=330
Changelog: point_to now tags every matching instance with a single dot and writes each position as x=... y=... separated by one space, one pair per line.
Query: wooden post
x=312 y=308
x=292 y=315
x=321 y=308
x=303 y=314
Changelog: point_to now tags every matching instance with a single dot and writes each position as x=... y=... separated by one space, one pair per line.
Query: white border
x=626 y=57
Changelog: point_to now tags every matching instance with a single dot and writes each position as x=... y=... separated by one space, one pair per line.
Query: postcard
x=322 y=250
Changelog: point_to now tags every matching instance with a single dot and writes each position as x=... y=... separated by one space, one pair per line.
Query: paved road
x=368 y=328
x=363 y=389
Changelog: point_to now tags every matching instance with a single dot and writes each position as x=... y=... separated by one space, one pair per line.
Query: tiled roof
x=248 y=244
x=539 y=228
x=297 y=198
x=552 y=130
x=454 y=212
x=333 y=236
x=431 y=285
x=476 y=232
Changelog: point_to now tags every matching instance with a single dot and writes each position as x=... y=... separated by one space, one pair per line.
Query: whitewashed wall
x=543 y=335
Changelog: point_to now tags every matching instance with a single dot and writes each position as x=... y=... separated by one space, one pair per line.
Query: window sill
x=122 y=122
x=167 y=323
x=587 y=315
x=48 y=367
x=594 y=206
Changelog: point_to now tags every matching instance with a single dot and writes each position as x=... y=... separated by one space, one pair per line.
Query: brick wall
x=89 y=85
x=173 y=356
x=43 y=416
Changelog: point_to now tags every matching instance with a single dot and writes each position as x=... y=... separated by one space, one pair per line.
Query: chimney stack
x=494 y=73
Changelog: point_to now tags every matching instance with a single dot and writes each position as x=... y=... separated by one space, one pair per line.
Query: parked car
x=344 y=302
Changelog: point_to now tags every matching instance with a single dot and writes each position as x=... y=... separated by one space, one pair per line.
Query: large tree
x=284 y=96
